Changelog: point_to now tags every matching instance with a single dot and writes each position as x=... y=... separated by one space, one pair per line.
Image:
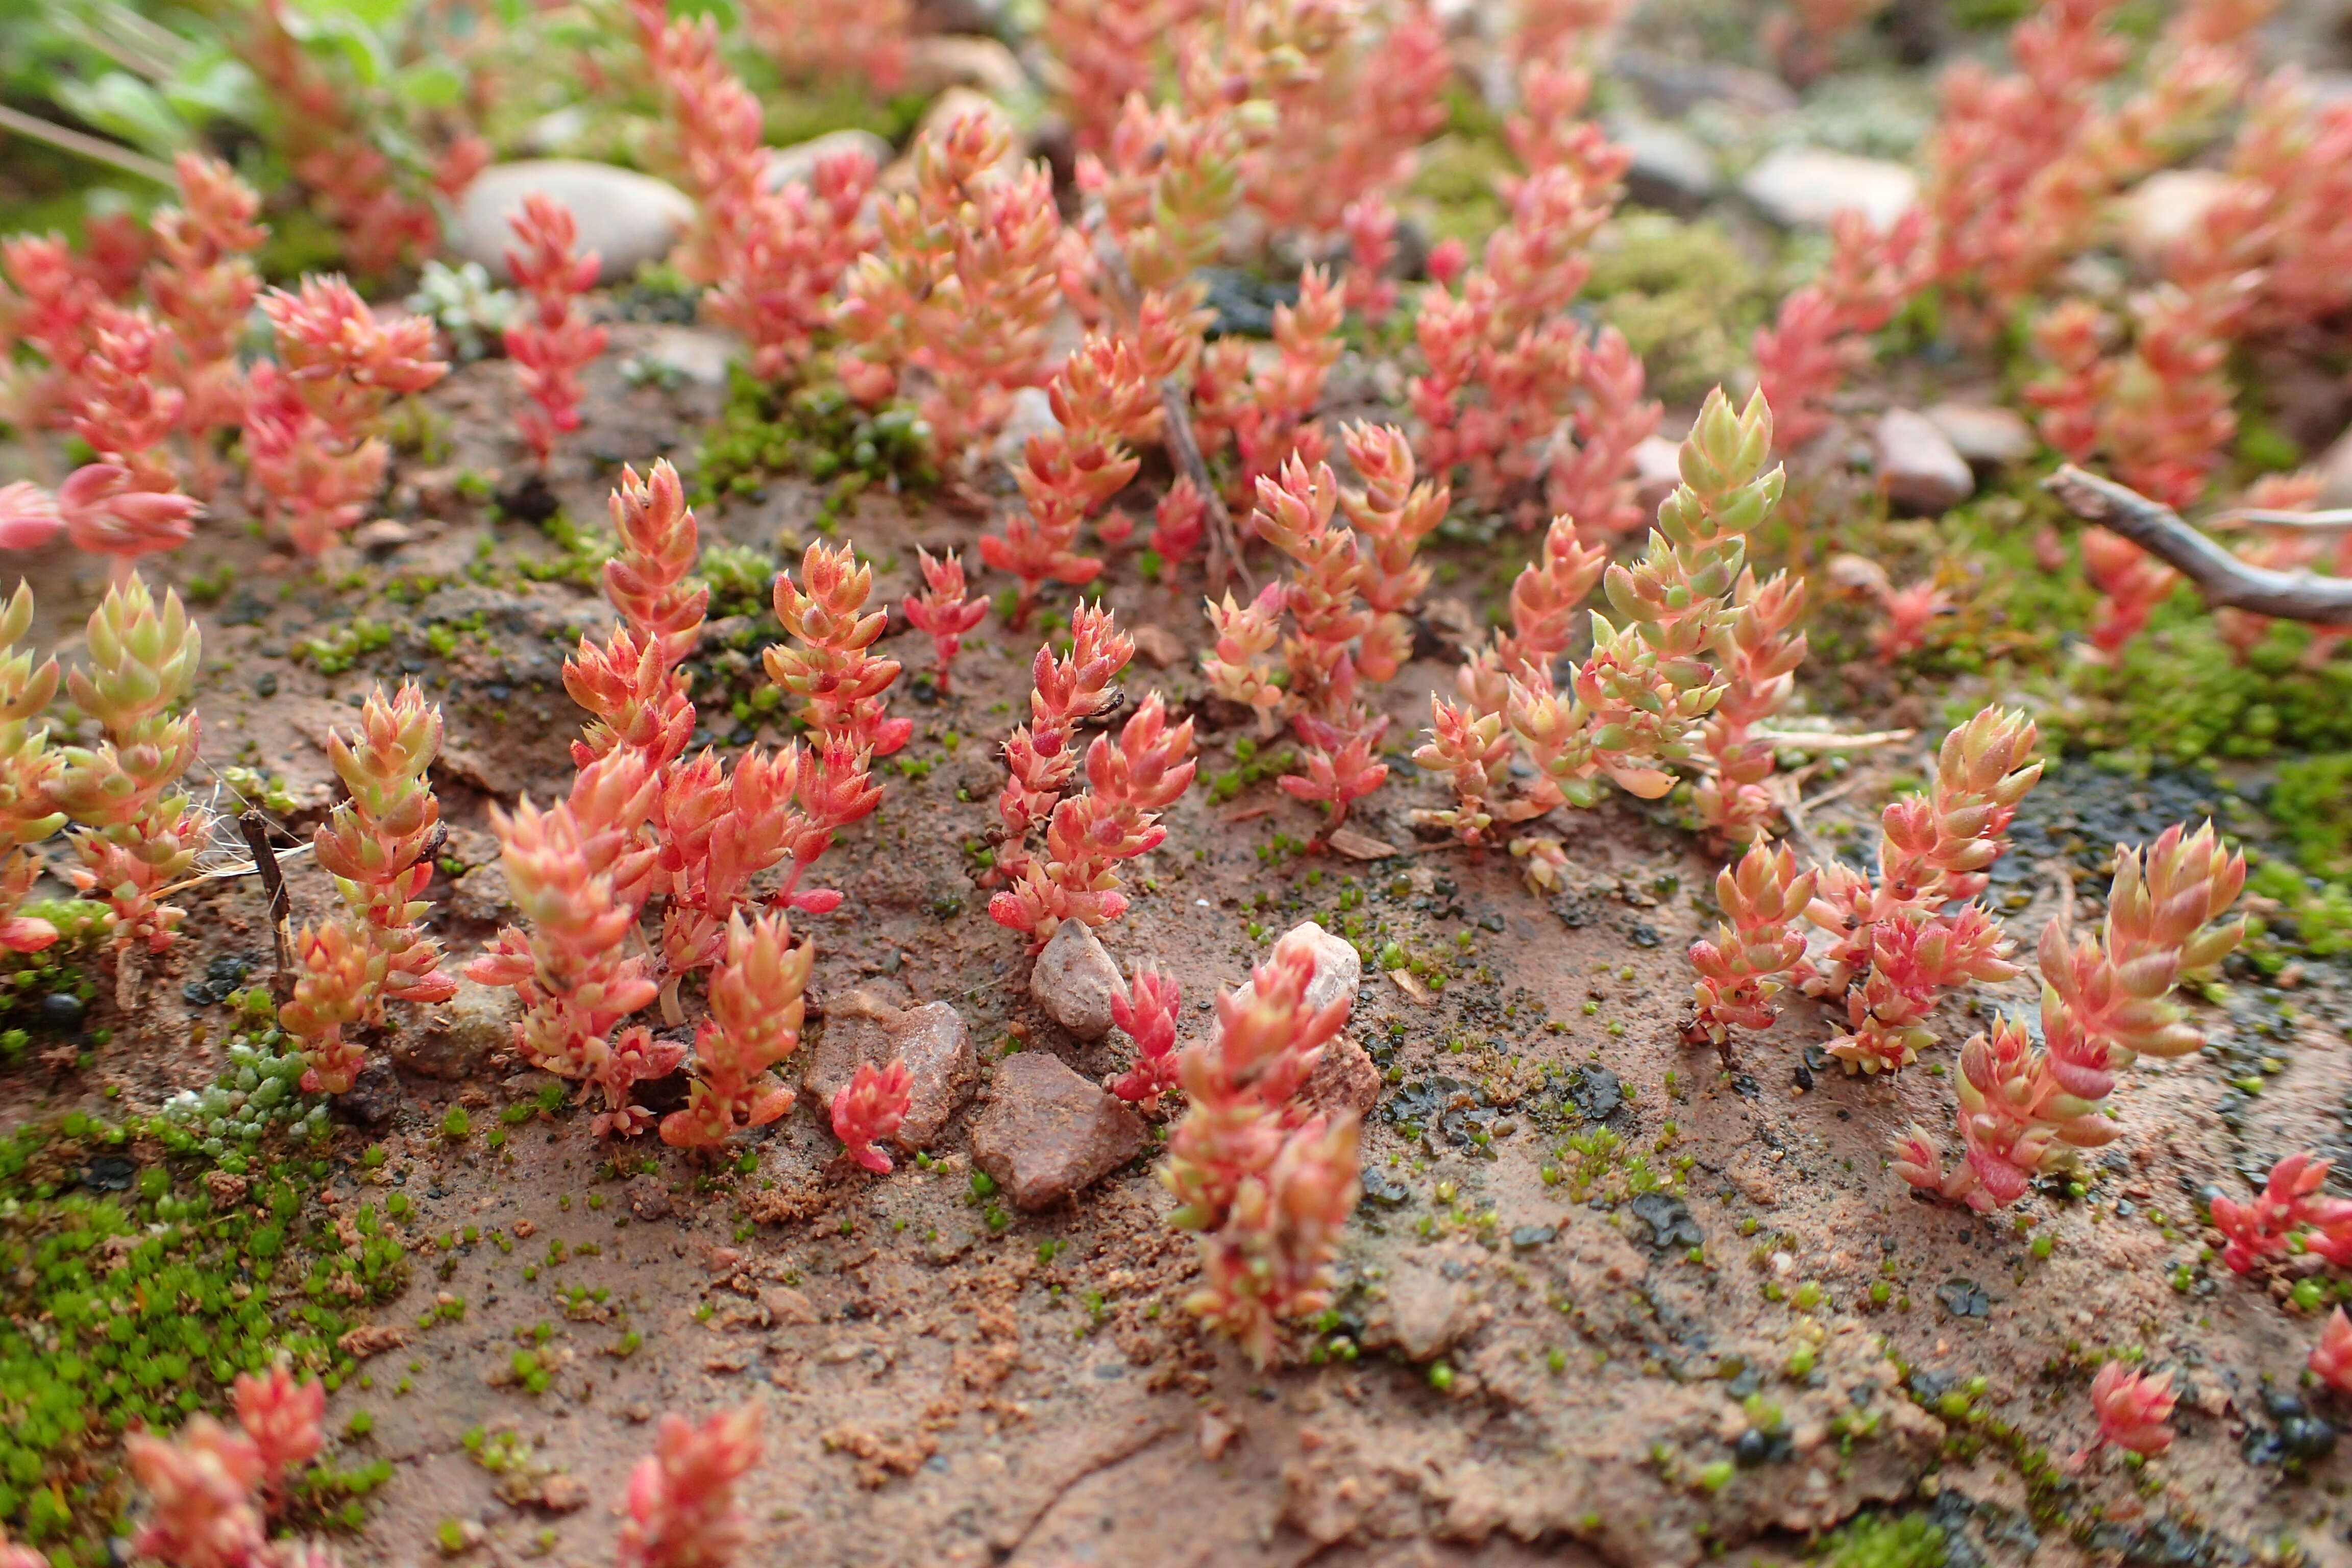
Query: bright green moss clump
x=1882 y=1541
x=814 y=430
x=132 y=1291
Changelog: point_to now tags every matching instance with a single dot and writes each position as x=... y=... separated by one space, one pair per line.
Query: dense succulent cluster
x=1266 y=1183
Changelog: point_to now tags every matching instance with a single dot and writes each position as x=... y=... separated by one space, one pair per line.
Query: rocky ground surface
x=1607 y=1299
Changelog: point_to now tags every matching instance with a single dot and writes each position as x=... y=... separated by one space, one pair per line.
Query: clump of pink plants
x=868 y=1108
x=2135 y=1410
x=961 y=286
x=1822 y=330
x=384 y=217
x=376 y=847
x=212 y=1490
x=1102 y=403
x=28 y=770
x=553 y=341
x=1506 y=361
x=1392 y=514
x=136 y=832
x=2106 y=1002
x=1145 y=1010
x=203 y=284
x=1640 y=700
x=1040 y=757
x=1264 y=412
x=682 y=1511
x=1344 y=106
x=312 y=442
x=942 y=611
x=1268 y=1185
x=1317 y=691
x=771 y=258
x=1128 y=782
x=644 y=821
x=1895 y=940
x=823 y=40
x=2331 y=1358
x=756 y=1007
x=2262 y=1227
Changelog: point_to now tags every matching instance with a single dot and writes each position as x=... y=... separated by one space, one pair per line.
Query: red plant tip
x=647 y=580
x=331 y=992
x=343 y=358
x=1909 y=613
x=1145 y=1010
x=868 y=1107
x=841 y=683
x=942 y=611
x=682 y=1505
x=282 y=1416
x=15 y=1554
x=1268 y=1185
x=1763 y=901
x=200 y=1487
x=29 y=515
x=107 y=510
x=757 y=1006
x=553 y=341
x=2331 y=1358
x=2291 y=1199
x=2135 y=1410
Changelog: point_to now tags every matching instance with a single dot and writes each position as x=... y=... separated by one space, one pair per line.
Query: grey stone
x=1673 y=88
x=1425 y=1314
x=1073 y=980
x=649 y=1198
x=1805 y=187
x=2166 y=208
x=1048 y=1132
x=1345 y=1078
x=1672 y=169
x=797 y=164
x=2336 y=473
x=1985 y=435
x=461 y=1033
x=482 y=894
x=951 y=60
x=931 y=1041
x=373 y=1096
x=625 y=217
x=1339 y=968
x=1917 y=468
x=692 y=353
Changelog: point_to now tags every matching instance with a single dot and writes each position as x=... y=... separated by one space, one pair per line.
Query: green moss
x=1882 y=1541
x=1682 y=294
x=335 y=651
x=740 y=580
x=2179 y=692
x=143 y=1303
x=815 y=430
x=1454 y=188
x=2311 y=804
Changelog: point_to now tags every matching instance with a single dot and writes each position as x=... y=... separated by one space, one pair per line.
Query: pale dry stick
x=1829 y=741
x=2338 y=521
x=1224 y=542
x=1176 y=417
x=2225 y=581
x=281 y=908
x=93 y=147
